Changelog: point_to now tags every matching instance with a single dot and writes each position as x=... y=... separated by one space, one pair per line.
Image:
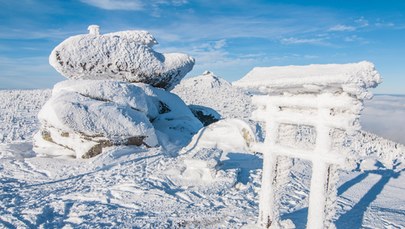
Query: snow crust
x=353 y=78
x=124 y=56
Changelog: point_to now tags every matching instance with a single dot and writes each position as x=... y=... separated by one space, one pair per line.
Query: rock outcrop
x=115 y=96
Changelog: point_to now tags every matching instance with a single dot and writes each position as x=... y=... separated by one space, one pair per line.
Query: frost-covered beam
x=310 y=155
x=353 y=79
x=341 y=101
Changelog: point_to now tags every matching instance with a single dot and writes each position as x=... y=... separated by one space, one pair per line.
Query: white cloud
x=355 y=38
x=116 y=4
x=384 y=24
x=341 y=28
x=135 y=5
x=361 y=22
x=314 y=41
x=219 y=44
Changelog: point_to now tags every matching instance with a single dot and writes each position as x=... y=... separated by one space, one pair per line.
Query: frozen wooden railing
x=323 y=97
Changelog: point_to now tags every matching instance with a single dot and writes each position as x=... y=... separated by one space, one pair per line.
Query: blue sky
x=226 y=37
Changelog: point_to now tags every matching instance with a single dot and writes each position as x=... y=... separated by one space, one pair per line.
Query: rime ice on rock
x=326 y=99
x=84 y=116
x=126 y=56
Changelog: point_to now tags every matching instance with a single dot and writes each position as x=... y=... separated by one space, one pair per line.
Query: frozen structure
x=105 y=104
x=126 y=56
x=323 y=101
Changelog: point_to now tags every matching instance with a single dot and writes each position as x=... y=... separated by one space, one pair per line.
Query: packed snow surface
x=129 y=186
x=125 y=56
x=352 y=78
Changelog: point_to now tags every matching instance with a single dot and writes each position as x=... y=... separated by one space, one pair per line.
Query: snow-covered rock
x=229 y=135
x=205 y=114
x=125 y=56
x=85 y=116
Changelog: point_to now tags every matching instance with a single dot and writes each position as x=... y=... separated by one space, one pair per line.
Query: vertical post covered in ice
x=326 y=98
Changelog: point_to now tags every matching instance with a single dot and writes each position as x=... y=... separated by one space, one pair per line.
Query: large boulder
x=125 y=56
x=205 y=114
x=85 y=116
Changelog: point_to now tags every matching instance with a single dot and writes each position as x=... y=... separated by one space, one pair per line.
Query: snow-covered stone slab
x=85 y=116
x=125 y=56
x=353 y=78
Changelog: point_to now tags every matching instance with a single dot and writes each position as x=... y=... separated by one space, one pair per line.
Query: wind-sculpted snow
x=87 y=115
x=125 y=56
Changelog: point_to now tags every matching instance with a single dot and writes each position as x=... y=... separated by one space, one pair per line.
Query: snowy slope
x=18 y=113
x=129 y=186
x=212 y=91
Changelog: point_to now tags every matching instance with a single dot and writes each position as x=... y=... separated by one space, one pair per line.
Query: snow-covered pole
x=275 y=167
x=267 y=195
x=317 y=198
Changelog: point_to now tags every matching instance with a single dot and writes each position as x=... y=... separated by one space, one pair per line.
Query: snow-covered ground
x=206 y=188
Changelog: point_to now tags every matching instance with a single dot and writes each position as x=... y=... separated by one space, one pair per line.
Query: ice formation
x=324 y=98
x=111 y=97
x=125 y=56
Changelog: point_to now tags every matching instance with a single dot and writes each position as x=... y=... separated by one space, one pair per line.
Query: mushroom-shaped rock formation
x=84 y=116
x=126 y=56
